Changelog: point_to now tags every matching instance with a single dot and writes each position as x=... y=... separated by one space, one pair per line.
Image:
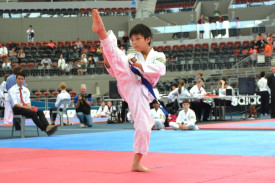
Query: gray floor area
x=5 y=132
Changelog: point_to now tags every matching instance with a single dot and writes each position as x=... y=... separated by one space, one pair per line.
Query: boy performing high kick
x=151 y=65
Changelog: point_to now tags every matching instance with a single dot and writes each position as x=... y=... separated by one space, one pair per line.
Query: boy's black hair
x=262 y=74
x=20 y=74
x=154 y=101
x=143 y=30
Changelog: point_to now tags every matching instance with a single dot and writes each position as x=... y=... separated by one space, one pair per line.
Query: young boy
x=158 y=116
x=186 y=119
x=151 y=65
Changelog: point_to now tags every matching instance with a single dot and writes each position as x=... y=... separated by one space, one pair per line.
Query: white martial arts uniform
x=101 y=111
x=8 y=116
x=188 y=118
x=171 y=97
x=158 y=117
x=181 y=96
x=107 y=111
x=132 y=90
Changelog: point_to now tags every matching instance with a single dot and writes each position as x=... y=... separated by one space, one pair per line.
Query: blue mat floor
x=228 y=142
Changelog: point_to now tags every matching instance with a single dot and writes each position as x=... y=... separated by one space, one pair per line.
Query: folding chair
x=22 y=122
x=66 y=103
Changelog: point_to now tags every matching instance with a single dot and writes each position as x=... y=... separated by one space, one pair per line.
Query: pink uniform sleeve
x=153 y=70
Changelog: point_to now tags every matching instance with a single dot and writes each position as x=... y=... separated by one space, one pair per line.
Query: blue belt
x=149 y=87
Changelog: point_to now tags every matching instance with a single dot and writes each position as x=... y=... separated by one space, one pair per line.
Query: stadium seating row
x=249 y=1
x=71 y=11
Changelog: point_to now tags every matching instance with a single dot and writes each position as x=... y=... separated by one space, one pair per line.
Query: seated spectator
x=99 y=51
x=158 y=116
x=6 y=62
x=123 y=49
x=20 y=101
x=198 y=105
x=3 y=50
x=125 y=42
x=78 y=44
x=61 y=96
x=110 y=108
x=171 y=97
x=101 y=111
x=75 y=53
x=186 y=119
x=62 y=65
x=13 y=54
x=222 y=87
x=83 y=103
x=181 y=92
x=269 y=37
x=46 y=61
x=51 y=45
x=91 y=60
x=254 y=52
x=20 y=55
x=261 y=37
x=82 y=65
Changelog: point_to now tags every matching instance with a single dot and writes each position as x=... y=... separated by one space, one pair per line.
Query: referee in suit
x=20 y=101
x=271 y=85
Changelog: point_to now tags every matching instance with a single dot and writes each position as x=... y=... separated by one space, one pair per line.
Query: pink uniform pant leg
x=143 y=122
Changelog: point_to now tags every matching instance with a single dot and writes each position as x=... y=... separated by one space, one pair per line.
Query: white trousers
x=175 y=126
x=159 y=124
x=8 y=117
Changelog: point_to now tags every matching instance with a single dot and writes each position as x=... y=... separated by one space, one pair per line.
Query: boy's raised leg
x=98 y=26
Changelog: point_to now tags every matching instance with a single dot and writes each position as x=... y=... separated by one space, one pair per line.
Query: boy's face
x=156 y=105
x=139 y=43
x=185 y=106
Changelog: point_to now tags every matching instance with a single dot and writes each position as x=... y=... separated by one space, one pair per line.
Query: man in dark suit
x=271 y=85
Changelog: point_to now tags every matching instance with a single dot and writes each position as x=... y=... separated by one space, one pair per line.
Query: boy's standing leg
x=99 y=28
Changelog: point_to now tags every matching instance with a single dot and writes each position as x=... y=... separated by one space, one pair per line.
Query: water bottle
x=214 y=92
x=68 y=121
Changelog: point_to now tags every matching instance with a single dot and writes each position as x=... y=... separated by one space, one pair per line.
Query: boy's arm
x=193 y=119
x=157 y=68
x=179 y=118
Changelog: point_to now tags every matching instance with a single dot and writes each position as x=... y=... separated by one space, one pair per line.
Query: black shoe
x=51 y=129
x=205 y=120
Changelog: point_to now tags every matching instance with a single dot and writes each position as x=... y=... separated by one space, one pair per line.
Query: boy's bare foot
x=98 y=25
x=140 y=168
x=136 y=167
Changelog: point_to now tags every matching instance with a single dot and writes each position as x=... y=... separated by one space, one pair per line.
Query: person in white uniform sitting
x=186 y=119
x=181 y=92
x=63 y=95
x=101 y=110
x=158 y=116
